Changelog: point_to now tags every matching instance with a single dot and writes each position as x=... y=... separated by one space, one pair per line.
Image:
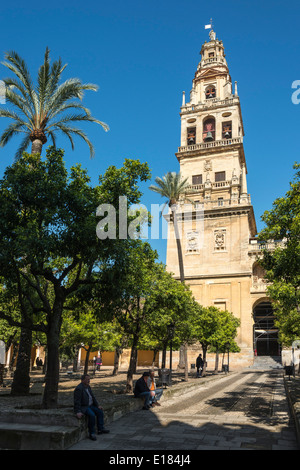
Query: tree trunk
x=36 y=146
x=87 y=358
x=132 y=365
x=13 y=356
x=21 y=380
x=178 y=243
x=186 y=366
x=116 y=360
x=154 y=357
x=75 y=359
x=204 y=349
x=50 y=396
x=183 y=349
x=216 y=362
x=164 y=355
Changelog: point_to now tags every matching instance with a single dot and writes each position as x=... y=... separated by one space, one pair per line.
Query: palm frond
x=171 y=185
x=77 y=117
x=78 y=132
x=43 y=80
x=23 y=146
x=18 y=66
x=49 y=107
x=10 y=131
x=18 y=101
x=12 y=115
x=66 y=106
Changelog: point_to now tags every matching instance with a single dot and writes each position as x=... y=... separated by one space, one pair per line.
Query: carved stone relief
x=220 y=239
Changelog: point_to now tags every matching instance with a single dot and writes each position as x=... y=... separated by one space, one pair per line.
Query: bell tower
x=211 y=155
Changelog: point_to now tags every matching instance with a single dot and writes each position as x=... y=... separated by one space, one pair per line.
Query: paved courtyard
x=245 y=411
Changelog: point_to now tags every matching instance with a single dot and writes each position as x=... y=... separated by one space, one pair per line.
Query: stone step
x=267 y=362
x=24 y=436
x=53 y=428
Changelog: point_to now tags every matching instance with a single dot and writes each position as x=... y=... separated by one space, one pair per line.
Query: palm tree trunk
x=178 y=242
x=37 y=146
x=183 y=363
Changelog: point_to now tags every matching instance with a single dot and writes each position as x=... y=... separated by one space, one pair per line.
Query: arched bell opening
x=210 y=92
x=209 y=129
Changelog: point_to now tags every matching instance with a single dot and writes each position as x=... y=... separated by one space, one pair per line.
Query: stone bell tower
x=216 y=258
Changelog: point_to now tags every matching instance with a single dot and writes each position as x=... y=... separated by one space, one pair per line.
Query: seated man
x=141 y=389
x=85 y=403
x=152 y=387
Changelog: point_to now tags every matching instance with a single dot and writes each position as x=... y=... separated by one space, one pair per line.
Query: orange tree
x=48 y=242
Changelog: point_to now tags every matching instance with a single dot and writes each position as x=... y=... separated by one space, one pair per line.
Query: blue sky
x=143 y=55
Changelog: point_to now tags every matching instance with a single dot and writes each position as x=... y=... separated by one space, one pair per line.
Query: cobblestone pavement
x=246 y=411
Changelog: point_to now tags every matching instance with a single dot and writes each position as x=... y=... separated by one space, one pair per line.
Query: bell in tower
x=209 y=130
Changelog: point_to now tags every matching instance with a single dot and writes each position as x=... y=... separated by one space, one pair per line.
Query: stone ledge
x=59 y=428
x=292 y=388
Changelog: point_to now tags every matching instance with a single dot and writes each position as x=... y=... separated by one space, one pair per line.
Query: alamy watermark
x=296 y=94
x=2 y=92
x=121 y=223
x=2 y=352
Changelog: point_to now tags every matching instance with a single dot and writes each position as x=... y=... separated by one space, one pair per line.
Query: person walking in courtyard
x=199 y=365
x=141 y=390
x=85 y=403
x=152 y=387
x=98 y=362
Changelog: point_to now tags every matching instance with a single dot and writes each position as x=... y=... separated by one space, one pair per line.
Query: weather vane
x=212 y=34
x=209 y=26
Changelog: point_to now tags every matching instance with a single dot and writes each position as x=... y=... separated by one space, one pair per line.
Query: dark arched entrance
x=265 y=334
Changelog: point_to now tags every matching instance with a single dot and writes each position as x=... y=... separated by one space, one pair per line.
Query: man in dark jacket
x=85 y=403
x=199 y=365
x=141 y=389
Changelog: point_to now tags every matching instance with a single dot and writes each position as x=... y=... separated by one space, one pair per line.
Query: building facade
x=218 y=230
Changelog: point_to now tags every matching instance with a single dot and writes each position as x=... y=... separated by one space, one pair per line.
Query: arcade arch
x=265 y=333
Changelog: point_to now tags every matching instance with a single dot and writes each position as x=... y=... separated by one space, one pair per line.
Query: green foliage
x=282 y=265
x=216 y=328
x=42 y=110
x=170 y=303
x=174 y=188
x=49 y=250
x=171 y=186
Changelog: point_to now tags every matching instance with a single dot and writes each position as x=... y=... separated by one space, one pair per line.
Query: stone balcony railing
x=258 y=285
x=208 y=204
x=213 y=144
x=256 y=246
x=207 y=104
x=200 y=187
x=211 y=60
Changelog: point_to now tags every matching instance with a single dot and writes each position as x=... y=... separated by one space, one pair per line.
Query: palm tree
x=173 y=187
x=41 y=111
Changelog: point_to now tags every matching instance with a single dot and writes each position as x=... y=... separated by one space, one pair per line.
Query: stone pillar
x=244 y=192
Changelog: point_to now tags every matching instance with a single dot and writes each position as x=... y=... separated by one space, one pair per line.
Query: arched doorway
x=265 y=334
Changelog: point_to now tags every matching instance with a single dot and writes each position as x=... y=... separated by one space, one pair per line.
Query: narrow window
x=197 y=179
x=219 y=176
